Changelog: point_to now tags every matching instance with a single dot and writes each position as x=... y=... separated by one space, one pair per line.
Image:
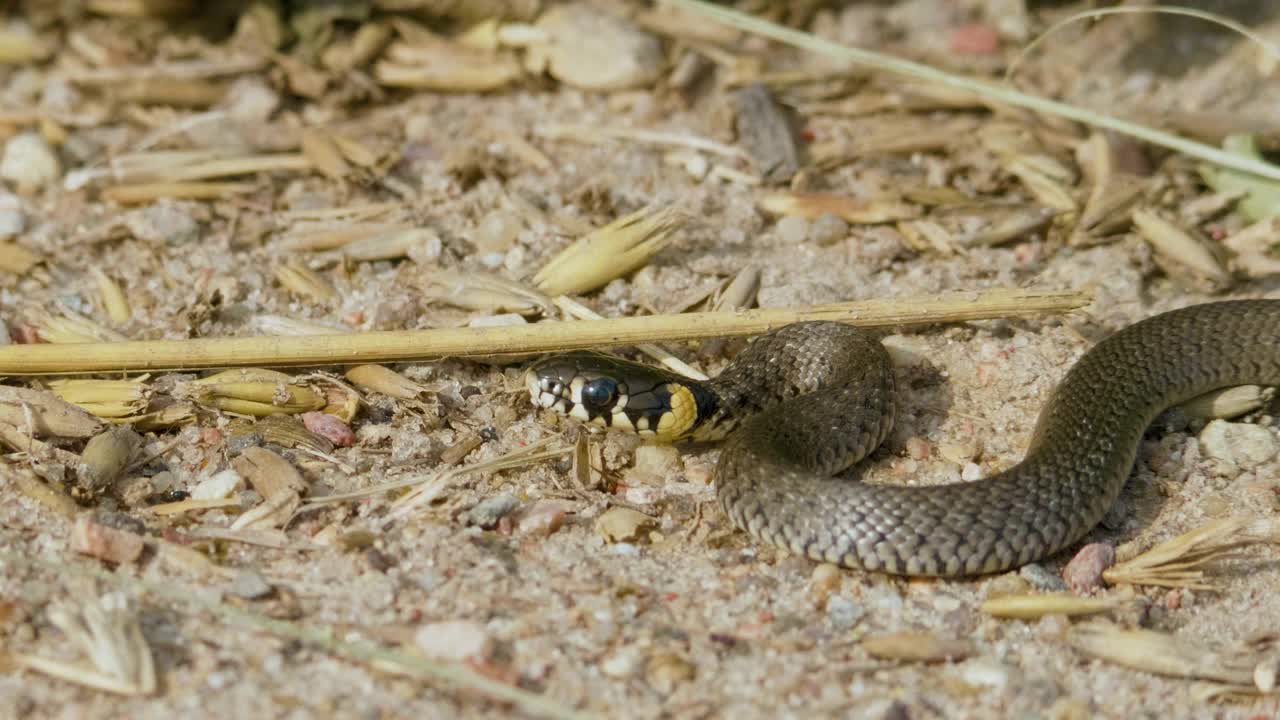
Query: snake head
x=608 y=392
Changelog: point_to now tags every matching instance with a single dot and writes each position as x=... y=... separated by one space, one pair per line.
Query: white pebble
x=593 y=49
x=497 y=231
x=218 y=486
x=12 y=221
x=971 y=472
x=1238 y=443
x=29 y=162
x=454 y=640
x=793 y=230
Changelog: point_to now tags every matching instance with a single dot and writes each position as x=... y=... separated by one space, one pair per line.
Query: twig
x=418 y=345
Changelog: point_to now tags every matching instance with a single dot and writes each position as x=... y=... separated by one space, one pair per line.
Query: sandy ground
x=691 y=619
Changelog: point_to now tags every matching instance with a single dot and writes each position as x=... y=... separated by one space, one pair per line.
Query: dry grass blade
x=1179 y=562
x=108 y=632
x=382 y=379
x=389 y=346
x=617 y=249
x=586 y=133
x=139 y=193
x=1159 y=653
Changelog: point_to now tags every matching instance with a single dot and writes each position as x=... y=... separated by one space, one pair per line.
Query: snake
x=802 y=404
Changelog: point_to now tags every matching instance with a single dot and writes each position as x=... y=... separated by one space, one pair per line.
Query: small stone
x=488 y=512
x=164 y=221
x=793 y=229
x=1069 y=708
x=497 y=232
x=666 y=671
x=105 y=542
x=1238 y=444
x=1041 y=578
x=250 y=100
x=29 y=162
x=971 y=472
x=250 y=585
x=593 y=49
x=828 y=229
x=1005 y=585
x=12 y=221
x=1083 y=574
x=1053 y=626
x=218 y=486
x=843 y=613
x=330 y=427
x=918 y=448
x=825 y=580
x=655 y=465
x=542 y=518
x=959 y=452
x=622 y=524
x=455 y=640
x=987 y=672
x=622 y=664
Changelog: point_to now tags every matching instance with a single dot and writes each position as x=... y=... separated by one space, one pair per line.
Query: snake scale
x=809 y=400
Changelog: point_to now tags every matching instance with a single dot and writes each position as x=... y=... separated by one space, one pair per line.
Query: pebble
x=622 y=524
x=12 y=221
x=1041 y=578
x=497 y=232
x=987 y=672
x=918 y=447
x=250 y=100
x=250 y=585
x=330 y=427
x=164 y=221
x=828 y=229
x=488 y=512
x=666 y=671
x=454 y=640
x=793 y=230
x=218 y=486
x=971 y=472
x=29 y=162
x=654 y=465
x=843 y=613
x=1238 y=444
x=543 y=518
x=622 y=664
x=105 y=542
x=592 y=49
x=1083 y=574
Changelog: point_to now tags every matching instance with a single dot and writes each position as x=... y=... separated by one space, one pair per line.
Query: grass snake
x=807 y=401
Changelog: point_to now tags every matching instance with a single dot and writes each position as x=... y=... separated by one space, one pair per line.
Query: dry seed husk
x=1228 y=403
x=164 y=418
x=1179 y=562
x=1190 y=254
x=1159 y=653
x=387 y=246
x=489 y=293
x=304 y=281
x=437 y=64
x=276 y=480
x=283 y=430
x=113 y=298
x=855 y=211
x=330 y=238
x=916 y=647
x=382 y=379
x=105 y=456
x=103 y=398
x=1032 y=607
x=49 y=414
x=253 y=391
x=16 y=259
x=324 y=154
x=74 y=329
x=613 y=251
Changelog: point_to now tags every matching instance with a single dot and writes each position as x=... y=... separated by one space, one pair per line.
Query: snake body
x=807 y=401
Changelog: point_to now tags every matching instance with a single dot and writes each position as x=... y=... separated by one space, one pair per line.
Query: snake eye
x=599 y=393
